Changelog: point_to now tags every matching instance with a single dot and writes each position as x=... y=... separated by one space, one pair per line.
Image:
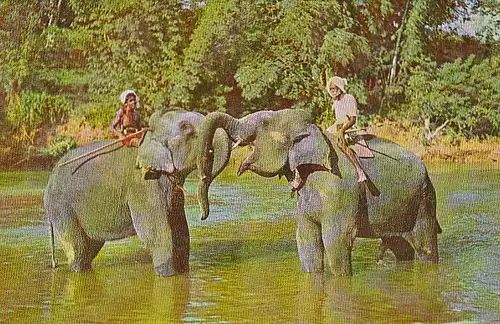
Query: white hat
x=338 y=81
x=124 y=95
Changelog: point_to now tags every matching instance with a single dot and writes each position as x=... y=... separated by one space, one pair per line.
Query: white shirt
x=345 y=107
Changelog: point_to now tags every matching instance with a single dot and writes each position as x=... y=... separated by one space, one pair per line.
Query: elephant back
x=105 y=165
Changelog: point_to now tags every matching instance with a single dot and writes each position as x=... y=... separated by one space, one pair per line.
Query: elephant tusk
x=175 y=184
x=181 y=189
x=236 y=144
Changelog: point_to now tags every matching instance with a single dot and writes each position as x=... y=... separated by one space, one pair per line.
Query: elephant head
x=284 y=143
x=169 y=147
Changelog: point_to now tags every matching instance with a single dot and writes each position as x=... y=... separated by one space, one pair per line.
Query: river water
x=244 y=263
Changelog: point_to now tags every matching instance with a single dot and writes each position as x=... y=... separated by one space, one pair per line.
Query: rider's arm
x=351 y=112
x=138 y=122
x=350 y=122
x=116 y=122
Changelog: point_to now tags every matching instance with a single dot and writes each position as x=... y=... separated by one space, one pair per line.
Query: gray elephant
x=333 y=208
x=124 y=191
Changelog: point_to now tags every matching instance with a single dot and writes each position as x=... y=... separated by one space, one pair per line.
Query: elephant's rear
x=64 y=179
x=430 y=200
x=407 y=205
x=402 y=179
x=423 y=237
x=92 y=191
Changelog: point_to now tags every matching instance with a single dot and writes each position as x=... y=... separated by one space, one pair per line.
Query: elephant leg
x=80 y=250
x=86 y=251
x=338 y=255
x=423 y=237
x=169 y=250
x=170 y=258
x=93 y=248
x=400 y=247
x=381 y=251
x=310 y=245
x=167 y=238
x=424 y=240
x=338 y=240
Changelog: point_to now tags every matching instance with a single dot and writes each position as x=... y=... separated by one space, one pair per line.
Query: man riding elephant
x=119 y=192
x=333 y=208
x=346 y=113
x=128 y=119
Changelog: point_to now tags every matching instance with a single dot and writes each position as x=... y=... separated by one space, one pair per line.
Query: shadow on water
x=244 y=265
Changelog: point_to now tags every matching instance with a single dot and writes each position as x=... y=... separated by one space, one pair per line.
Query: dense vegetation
x=65 y=62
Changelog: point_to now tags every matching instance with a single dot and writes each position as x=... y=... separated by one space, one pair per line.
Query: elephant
x=124 y=191
x=332 y=207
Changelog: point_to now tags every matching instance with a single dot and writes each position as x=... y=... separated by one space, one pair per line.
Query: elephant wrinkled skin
x=333 y=208
x=123 y=191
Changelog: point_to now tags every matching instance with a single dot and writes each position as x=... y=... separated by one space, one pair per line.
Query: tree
x=131 y=44
x=23 y=54
x=464 y=93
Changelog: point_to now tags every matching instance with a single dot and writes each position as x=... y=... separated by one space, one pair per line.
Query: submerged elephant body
x=106 y=196
x=333 y=208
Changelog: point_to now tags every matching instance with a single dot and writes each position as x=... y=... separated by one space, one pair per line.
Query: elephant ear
x=311 y=152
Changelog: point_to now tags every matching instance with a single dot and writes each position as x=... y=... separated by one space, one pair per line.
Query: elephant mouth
x=301 y=173
x=150 y=172
x=250 y=163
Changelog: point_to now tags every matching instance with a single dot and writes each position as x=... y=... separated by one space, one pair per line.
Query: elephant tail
x=431 y=201
x=52 y=243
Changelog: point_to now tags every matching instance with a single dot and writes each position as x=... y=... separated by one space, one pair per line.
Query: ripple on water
x=456 y=200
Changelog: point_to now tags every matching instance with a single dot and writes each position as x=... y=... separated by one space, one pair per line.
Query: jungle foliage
x=65 y=59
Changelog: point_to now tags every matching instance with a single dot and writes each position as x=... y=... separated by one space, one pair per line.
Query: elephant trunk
x=205 y=159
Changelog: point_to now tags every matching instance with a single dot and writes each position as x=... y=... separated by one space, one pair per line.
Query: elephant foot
x=381 y=251
x=312 y=269
x=402 y=250
x=165 y=270
x=428 y=255
x=80 y=266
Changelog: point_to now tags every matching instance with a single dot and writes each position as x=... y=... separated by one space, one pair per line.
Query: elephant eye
x=251 y=139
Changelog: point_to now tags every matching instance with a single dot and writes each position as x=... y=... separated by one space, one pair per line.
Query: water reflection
x=409 y=294
x=113 y=296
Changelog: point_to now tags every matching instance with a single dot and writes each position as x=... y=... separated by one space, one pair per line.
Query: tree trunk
x=53 y=18
x=392 y=73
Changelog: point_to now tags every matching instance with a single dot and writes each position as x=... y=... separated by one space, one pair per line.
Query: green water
x=244 y=264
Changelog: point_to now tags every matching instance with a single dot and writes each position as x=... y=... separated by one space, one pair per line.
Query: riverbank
x=440 y=149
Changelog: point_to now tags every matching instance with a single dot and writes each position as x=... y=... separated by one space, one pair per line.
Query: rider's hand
x=341 y=135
